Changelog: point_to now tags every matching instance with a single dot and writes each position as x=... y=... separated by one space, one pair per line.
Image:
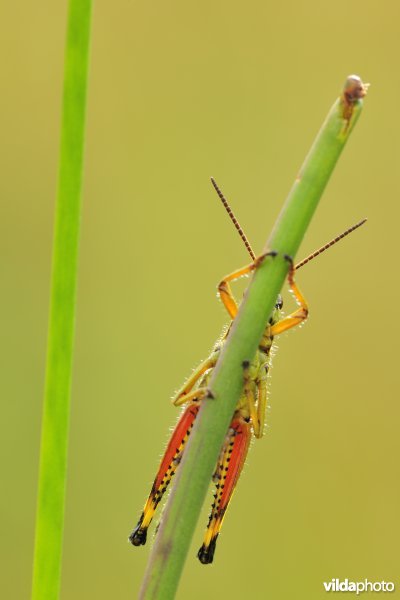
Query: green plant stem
x=53 y=452
x=194 y=474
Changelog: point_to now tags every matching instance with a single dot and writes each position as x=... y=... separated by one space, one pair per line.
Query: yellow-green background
x=180 y=91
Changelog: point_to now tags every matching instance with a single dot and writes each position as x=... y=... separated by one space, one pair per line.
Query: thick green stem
x=53 y=452
x=193 y=477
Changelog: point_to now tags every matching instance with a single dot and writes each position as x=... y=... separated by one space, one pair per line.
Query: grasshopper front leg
x=299 y=315
x=295 y=318
x=224 y=289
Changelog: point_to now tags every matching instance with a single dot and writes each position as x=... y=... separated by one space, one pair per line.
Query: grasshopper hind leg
x=227 y=473
x=168 y=466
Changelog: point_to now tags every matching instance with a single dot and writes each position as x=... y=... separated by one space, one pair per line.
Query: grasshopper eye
x=279 y=302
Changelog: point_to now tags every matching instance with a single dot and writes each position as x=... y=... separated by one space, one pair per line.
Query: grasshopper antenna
x=329 y=244
x=233 y=219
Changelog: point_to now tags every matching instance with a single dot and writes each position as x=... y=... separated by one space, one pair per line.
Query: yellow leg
x=299 y=315
x=256 y=408
x=182 y=395
x=224 y=290
x=261 y=401
x=197 y=394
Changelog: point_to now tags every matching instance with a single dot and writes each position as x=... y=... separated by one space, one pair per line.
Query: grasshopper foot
x=206 y=553
x=138 y=536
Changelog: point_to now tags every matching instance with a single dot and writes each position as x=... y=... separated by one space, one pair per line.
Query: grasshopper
x=249 y=416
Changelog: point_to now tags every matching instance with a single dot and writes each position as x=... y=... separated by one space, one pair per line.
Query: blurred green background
x=179 y=92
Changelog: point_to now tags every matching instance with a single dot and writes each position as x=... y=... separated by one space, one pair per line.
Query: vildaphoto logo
x=335 y=585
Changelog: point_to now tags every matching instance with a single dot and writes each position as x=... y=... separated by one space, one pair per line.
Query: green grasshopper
x=249 y=415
